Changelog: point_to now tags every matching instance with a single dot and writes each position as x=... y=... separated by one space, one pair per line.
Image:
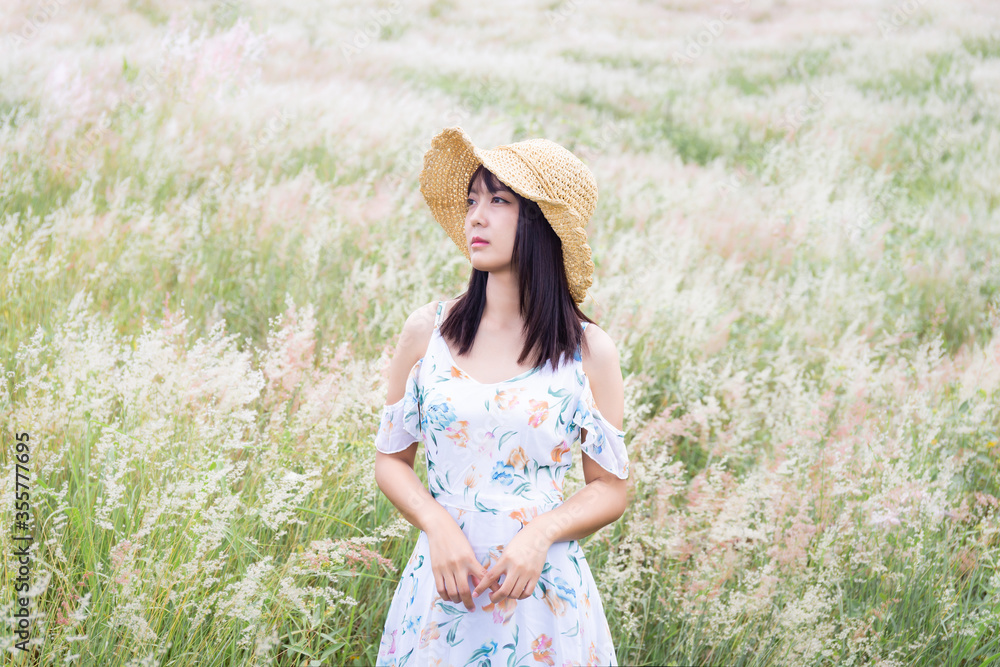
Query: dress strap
x=579 y=348
x=437 y=319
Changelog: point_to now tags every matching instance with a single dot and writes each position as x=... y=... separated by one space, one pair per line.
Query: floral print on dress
x=497 y=456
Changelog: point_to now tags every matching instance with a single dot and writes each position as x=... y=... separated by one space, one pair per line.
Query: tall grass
x=211 y=233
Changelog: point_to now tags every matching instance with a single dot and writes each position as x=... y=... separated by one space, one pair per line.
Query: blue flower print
x=587 y=420
x=411 y=623
x=503 y=473
x=597 y=444
x=414 y=583
x=565 y=591
x=489 y=648
x=439 y=415
x=497 y=457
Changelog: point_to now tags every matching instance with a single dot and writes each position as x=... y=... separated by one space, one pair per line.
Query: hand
x=453 y=561
x=522 y=560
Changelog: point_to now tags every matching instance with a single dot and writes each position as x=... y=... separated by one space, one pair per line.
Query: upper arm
x=410 y=347
x=603 y=368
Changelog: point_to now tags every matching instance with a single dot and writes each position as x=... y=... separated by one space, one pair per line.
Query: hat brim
x=449 y=164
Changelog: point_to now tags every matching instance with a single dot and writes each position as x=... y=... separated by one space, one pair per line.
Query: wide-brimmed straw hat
x=537 y=169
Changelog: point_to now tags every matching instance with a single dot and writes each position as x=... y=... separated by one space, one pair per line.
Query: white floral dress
x=497 y=454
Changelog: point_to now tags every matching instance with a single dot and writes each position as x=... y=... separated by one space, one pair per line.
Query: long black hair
x=552 y=319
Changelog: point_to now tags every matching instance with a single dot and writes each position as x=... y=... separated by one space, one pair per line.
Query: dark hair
x=552 y=318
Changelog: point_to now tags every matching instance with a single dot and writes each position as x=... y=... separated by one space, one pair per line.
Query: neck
x=503 y=310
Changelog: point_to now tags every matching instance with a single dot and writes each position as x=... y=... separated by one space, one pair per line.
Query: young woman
x=497 y=384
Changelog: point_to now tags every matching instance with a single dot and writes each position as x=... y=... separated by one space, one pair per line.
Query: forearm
x=585 y=512
x=400 y=484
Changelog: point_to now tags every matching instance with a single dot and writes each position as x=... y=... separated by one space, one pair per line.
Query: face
x=491 y=216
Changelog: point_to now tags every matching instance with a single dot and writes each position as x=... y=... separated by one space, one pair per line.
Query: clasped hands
x=521 y=560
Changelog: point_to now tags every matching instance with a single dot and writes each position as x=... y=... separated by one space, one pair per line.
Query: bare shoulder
x=603 y=367
x=416 y=333
x=412 y=343
x=600 y=354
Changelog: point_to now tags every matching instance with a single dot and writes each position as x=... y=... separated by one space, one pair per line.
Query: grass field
x=211 y=234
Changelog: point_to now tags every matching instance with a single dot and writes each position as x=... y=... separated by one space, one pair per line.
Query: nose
x=474 y=217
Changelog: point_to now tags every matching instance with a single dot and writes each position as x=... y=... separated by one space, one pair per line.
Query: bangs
x=492 y=183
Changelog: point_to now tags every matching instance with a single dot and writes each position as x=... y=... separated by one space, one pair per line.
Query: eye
x=502 y=200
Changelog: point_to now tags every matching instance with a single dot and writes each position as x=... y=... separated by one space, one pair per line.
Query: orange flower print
x=557 y=604
x=593 y=654
x=429 y=633
x=559 y=450
x=503 y=610
x=470 y=479
x=539 y=412
x=494 y=555
x=524 y=515
x=457 y=372
x=541 y=649
x=517 y=459
x=458 y=432
x=506 y=399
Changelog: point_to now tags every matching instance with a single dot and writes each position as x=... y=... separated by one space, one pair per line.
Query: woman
x=498 y=416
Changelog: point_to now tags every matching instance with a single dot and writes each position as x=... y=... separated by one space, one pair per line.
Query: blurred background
x=211 y=233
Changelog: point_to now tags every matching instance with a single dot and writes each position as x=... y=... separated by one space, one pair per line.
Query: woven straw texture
x=537 y=169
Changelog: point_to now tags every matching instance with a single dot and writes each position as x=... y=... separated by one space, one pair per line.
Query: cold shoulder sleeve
x=400 y=424
x=604 y=442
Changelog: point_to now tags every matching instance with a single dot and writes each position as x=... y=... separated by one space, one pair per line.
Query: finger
x=442 y=590
x=486 y=581
x=519 y=589
x=491 y=579
x=452 y=588
x=505 y=589
x=467 y=595
x=477 y=573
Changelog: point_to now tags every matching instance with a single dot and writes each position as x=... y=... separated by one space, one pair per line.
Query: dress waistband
x=506 y=505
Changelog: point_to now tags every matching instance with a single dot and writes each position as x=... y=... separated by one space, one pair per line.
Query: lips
x=476 y=241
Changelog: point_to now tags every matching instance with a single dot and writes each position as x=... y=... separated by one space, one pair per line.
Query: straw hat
x=537 y=169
